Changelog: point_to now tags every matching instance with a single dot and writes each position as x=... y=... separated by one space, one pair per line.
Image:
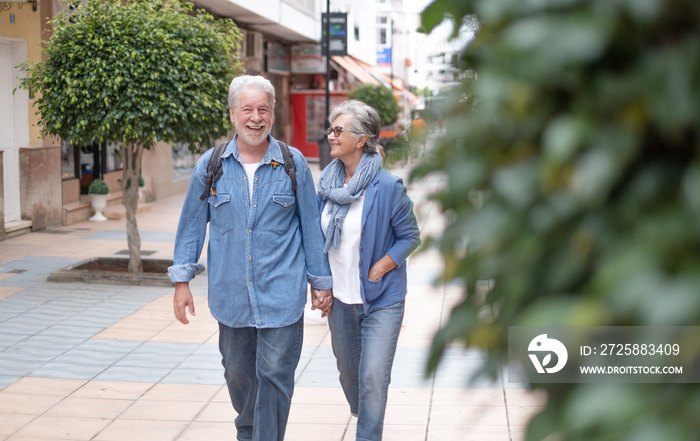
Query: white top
x=250 y=171
x=345 y=260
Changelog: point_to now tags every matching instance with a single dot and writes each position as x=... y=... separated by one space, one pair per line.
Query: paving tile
x=152 y=360
x=405 y=432
x=76 y=371
x=64 y=428
x=131 y=374
x=7 y=380
x=317 y=379
x=217 y=412
x=181 y=392
x=26 y=404
x=195 y=376
x=141 y=430
x=201 y=362
x=10 y=424
x=77 y=356
x=7 y=291
x=45 y=386
x=319 y=413
x=438 y=432
x=115 y=346
x=319 y=432
x=468 y=415
x=410 y=397
x=163 y=410
x=407 y=414
x=113 y=390
x=78 y=407
x=206 y=430
x=468 y=397
x=317 y=395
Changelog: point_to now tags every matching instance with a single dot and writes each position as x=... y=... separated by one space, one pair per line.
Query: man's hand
x=182 y=301
x=322 y=299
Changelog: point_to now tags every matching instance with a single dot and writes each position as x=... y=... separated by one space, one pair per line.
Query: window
x=383 y=29
x=69 y=160
x=112 y=157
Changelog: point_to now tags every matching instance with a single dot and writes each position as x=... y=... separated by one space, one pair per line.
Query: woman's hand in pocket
x=379 y=269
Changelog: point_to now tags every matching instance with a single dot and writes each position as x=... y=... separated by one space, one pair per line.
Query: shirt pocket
x=220 y=212
x=283 y=209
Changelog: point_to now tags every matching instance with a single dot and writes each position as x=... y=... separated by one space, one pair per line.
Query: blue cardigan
x=388 y=227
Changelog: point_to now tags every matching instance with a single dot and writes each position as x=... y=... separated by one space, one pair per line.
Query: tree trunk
x=132 y=170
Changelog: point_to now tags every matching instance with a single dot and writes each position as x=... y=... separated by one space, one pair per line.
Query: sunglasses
x=337 y=130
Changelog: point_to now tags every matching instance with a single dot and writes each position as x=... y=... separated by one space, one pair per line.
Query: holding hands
x=322 y=299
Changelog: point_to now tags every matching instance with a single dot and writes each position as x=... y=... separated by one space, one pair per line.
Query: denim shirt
x=263 y=251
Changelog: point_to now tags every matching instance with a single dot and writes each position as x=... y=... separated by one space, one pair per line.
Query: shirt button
x=251 y=283
x=250 y=257
x=250 y=231
x=255 y=205
x=361 y=248
x=360 y=263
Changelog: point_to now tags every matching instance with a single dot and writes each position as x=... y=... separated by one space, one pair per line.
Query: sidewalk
x=111 y=363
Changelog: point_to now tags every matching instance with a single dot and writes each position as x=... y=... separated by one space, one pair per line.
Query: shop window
x=89 y=161
x=112 y=157
x=70 y=158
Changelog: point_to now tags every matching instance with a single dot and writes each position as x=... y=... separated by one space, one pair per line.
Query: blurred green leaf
x=581 y=132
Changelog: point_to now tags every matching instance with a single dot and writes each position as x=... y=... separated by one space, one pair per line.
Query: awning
x=353 y=67
x=367 y=74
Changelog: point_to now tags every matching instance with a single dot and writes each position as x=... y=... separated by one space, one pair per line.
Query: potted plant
x=98 y=191
x=142 y=183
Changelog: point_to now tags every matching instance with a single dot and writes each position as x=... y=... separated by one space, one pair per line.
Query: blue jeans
x=259 y=366
x=364 y=346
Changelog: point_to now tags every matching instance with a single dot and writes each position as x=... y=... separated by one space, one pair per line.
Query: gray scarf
x=331 y=188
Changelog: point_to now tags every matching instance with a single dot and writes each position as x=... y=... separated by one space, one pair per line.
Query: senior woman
x=370 y=230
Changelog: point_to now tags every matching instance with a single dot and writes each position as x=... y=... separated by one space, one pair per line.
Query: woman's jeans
x=364 y=346
x=259 y=367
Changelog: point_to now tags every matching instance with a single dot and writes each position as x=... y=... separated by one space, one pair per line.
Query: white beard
x=253 y=138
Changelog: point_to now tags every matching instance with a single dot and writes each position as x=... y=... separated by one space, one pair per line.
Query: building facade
x=44 y=180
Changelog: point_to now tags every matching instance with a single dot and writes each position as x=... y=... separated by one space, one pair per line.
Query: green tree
x=136 y=73
x=584 y=149
x=381 y=98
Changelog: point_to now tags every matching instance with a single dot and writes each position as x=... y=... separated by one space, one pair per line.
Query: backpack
x=215 y=170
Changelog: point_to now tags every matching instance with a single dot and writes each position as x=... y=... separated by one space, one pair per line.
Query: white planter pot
x=98 y=202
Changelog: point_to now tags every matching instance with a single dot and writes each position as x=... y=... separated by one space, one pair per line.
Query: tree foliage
x=381 y=98
x=135 y=73
x=584 y=149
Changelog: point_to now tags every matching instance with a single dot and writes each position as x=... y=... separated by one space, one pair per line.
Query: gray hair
x=365 y=121
x=250 y=82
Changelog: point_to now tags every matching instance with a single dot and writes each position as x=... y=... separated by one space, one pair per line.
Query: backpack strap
x=289 y=165
x=214 y=170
